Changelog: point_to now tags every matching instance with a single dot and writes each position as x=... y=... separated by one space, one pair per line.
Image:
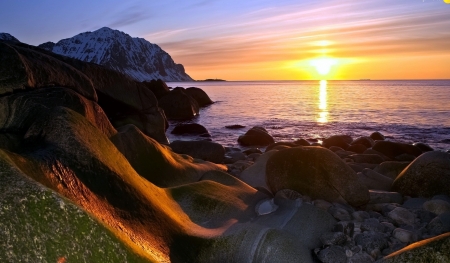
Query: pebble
x=402 y=216
x=322 y=204
x=266 y=207
x=339 y=213
x=360 y=216
x=437 y=206
x=372 y=224
x=333 y=238
x=360 y=257
x=404 y=235
x=332 y=254
x=345 y=227
x=371 y=241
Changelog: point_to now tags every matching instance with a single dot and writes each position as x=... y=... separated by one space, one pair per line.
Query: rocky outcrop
x=113 y=49
x=178 y=105
x=427 y=175
x=8 y=37
x=316 y=172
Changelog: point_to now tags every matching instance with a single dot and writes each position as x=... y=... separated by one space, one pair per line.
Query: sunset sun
x=323 y=65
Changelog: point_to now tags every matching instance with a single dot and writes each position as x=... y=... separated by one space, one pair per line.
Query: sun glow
x=323 y=65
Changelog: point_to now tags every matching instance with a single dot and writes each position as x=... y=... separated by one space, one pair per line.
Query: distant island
x=212 y=80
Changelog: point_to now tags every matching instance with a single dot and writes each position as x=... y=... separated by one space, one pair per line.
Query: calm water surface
x=408 y=111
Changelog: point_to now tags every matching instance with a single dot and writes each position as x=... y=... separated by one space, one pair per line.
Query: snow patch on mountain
x=135 y=57
x=8 y=37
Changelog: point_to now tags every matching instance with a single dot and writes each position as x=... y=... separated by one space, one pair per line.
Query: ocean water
x=404 y=110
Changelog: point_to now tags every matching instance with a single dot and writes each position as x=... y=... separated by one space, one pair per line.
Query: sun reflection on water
x=323 y=112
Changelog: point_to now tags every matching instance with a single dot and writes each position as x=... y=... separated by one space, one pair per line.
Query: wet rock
x=253 y=157
x=232 y=157
x=366 y=158
x=393 y=149
x=423 y=146
x=437 y=206
x=378 y=196
x=342 y=141
x=199 y=96
x=373 y=180
x=333 y=238
x=332 y=254
x=252 y=150
x=426 y=176
x=388 y=227
x=372 y=151
x=377 y=136
x=178 y=105
x=235 y=127
x=208 y=151
x=189 y=128
x=405 y=236
x=302 y=142
x=424 y=216
x=276 y=144
x=391 y=169
x=402 y=216
x=256 y=136
x=366 y=141
x=356 y=167
x=336 y=148
x=357 y=148
x=316 y=172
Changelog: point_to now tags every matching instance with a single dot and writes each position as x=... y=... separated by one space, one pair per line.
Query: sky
x=261 y=39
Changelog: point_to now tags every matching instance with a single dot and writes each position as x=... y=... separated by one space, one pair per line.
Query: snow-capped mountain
x=8 y=37
x=135 y=57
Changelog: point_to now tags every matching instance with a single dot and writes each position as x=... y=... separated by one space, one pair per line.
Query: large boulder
x=426 y=176
x=393 y=149
x=199 y=95
x=178 y=105
x=316 y=172
x=256 y=136
x=205 y=150
x=391 y=169
x=189 y=128
x=342 y=141
x=158 y=87
x=255 y=175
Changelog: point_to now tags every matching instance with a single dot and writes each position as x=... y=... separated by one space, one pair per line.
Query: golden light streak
x=323 y=112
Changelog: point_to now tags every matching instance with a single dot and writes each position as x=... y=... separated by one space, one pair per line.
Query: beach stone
x=432 y=250
x=316 y=172
x=366 y=158
x=253 y=157
x=322 y=204
x=335 y=148
x=371 y=241
x=391 y=169
x=356 y=167
x=342 y=141
x=404 y=235
x=372 y=224
x=178 y=105
x=374 y=181
x=404 y=157
x=265 y=207
x=288 y=194
x=339 y=213
x=414 y=203
x=333 y=238
x=439 y=224
x=256 y=136
x=255 y=175
x=423 y=146
x=232 y=157
x=402 y=216
x=377 y=136
x=343 y=154
x=205 y=150
x=189 y=128
x=302 y=142
x=393 y=149
x=252 y=150
x=378 y=196
x=424 y=215
x=366 y=141
x=441 y=197
x=235 y=127
x=374 y=214
x=372 y=151
x=426 y=176
x=346 y=227
x=199 y=95
x=276 y=144
x=360 y=257
x=332 y=254
x=357 y=148
x=360 y=216
x=388 y=227
x=437 y=206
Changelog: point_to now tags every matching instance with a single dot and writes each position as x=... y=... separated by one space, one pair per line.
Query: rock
x=288 y=194
x=431 y=250
x=235 y=127
x=273 y=145
x=404 y=235
x=402 y=216
x=158 y=87
x=357 y=148
x=393 y=149
x=414 y=203
x=356 y=167
x=366 y=141
x=440 y=224
x=335 y=149
x=332 y=254
x=404 y=157
x=302 y=142
x=342 y=141
x=178 y=105
x=333 y=238
x=441 y=197
x=343 y=154
x=366 y=158
x=377 y=136
x=316 y=172
x=371 y=241
x=377 y=196
x=324 y=205
x=437 y=206
x=208 y=151
x=189 y=128
x=256 y=136
x=372 y=151
x=255 y=175
x=346 y=227
x=375 y=181
x=360 y=216
x=388 y=227
x=424 y=147
x=265 y=207
x=339 y=213
x=252 y=150
x=199 y=95
x=426 y=176
x=232 y=157
x=391 y=169
x=372 y=224
x=360 y=257
x=239 y=166
x=253 y=157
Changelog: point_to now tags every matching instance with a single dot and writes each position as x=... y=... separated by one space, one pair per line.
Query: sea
x=403 y=110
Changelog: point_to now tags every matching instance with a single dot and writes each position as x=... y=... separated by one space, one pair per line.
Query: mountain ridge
x=114 y=49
